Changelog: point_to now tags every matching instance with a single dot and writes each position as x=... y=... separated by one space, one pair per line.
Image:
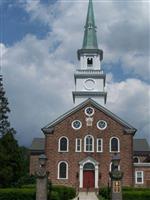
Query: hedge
x=129 y=193
x=105 y=192
x=64 y=193
x=136 y=195
x=17 y=194
x=57 y=193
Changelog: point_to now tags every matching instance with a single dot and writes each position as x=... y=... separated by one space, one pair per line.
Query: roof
x=51 y=125
x=38 y=145
x=141 y=145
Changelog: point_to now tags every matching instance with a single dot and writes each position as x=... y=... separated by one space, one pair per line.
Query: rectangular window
x=78 y=145
x=99 y=145
x=139 y=177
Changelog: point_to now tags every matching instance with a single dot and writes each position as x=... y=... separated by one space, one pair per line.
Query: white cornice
x=141 y=164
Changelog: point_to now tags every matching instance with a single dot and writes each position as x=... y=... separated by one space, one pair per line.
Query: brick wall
x=33 y=164
x=146 y=173
x=64 y=129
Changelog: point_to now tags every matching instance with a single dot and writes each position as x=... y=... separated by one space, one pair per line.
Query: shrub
x=57 y=193
x=65 y=193
x=129 y=193
x=17 y=194
x=26 y=180
x=101 y=198
x=54 y=196
x=136 y=195
x=105 y=192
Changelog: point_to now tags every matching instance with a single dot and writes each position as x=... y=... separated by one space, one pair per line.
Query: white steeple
x=89 y=78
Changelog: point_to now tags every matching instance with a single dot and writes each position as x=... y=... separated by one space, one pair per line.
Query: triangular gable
x=50 y=126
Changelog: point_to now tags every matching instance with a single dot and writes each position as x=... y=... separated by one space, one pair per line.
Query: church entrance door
x=88 y=179
x=88 y=176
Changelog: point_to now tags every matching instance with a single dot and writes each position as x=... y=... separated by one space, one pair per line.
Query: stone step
x=86 y=196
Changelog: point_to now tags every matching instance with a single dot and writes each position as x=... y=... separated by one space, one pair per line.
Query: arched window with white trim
x=114 y=144
x=62 y=170
x=63 y=144
x=89 y=143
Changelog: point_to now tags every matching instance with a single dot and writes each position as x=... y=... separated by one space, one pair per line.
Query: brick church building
x=79 y=144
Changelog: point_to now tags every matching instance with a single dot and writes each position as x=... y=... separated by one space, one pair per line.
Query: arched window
x=62 y=170
x=114 y=144
x=90 y=61
x=89 y=143
x=89 y=166
x=63 y=144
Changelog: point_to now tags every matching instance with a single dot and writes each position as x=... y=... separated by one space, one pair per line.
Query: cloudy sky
x=39 y=40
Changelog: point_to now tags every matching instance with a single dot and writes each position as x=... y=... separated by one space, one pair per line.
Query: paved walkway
x=86 y=196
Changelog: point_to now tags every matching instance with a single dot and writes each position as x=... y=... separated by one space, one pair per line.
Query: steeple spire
x=90 y=78
x=90 y=38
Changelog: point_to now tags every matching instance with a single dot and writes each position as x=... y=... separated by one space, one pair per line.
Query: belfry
x=90 y=78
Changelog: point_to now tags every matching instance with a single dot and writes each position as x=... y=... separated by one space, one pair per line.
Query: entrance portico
x=88 y=176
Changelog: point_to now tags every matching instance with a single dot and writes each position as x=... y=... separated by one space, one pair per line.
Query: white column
x=81 y=177
x=85 y=63
x=82 y=62
x=96 y=176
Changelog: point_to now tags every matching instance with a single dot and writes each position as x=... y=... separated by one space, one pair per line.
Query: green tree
x=10 y=154
x=10 y=161
x=4 y=110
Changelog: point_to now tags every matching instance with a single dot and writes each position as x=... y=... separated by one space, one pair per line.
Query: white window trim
x=78 y=127
x=59 y=170
x=87 y=113
x=76 y=150
x=85 y=143
x=137 y=158
x=100 y=127
x=136 y=182
x=59 y=150
x=110 y=145
x=101 y=144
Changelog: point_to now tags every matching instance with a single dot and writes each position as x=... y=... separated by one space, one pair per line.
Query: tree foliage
x=4 y=110
x=10 y=153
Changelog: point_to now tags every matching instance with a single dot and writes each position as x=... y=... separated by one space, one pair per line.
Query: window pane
x=62 y=170
x=78 y=144
x=114 y=144
x=89 y=143
x=136 y=160
x=139 y=177
x=63 y=144
x=99 y=145
x=139 y=180
x=88 y=166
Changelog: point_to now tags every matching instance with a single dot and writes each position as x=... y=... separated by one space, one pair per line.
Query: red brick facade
x=115 y=128
x=64 y=128
x=146 y=175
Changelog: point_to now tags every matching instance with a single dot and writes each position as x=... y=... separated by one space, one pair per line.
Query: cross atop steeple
x=90 y=38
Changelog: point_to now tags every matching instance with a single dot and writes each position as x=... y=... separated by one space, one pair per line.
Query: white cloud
x=37 y=85
x=130 y=100
x=123 y=30
x=38 y=74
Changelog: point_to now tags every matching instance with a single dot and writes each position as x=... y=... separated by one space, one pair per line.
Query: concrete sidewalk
x=86 y=196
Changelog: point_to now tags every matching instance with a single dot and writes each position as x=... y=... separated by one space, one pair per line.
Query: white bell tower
x=89 y=78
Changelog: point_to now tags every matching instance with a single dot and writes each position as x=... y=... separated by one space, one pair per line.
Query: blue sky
x=39 y=40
